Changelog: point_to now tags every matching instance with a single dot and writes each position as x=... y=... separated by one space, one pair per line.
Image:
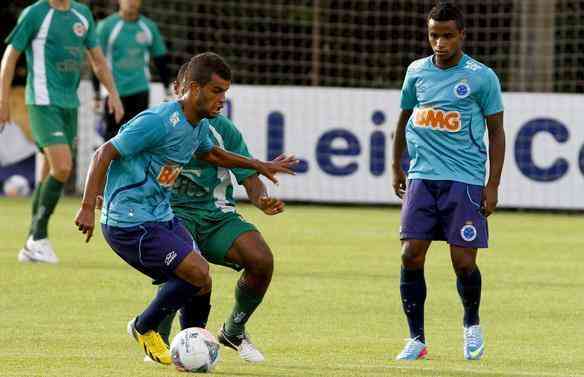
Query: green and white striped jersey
x=128 y=46
x=54 y=42
x=209 y=188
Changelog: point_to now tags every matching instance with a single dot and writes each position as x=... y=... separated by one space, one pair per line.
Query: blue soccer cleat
x=474 y=345
x=413 y=350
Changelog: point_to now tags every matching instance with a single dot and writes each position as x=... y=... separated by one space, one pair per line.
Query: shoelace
x=410 y=346
x=473 y=338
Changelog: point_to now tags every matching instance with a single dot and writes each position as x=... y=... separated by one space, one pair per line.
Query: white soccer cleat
x=413 y=350
x=474 y=344
x=243 y=345
x=38 y=251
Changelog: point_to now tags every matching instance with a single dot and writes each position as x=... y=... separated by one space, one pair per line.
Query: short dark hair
x=182 y=71
x=445 y=11
x=202 y=66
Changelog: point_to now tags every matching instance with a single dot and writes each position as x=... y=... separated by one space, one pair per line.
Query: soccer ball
x=16 y=185
x=195 y=350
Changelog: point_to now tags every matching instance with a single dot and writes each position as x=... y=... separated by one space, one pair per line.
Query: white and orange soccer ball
x=195 y=350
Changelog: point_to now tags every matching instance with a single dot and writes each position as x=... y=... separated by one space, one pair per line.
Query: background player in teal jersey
x=55 y=35
x=142 y=163
x=129 y=40
x=202 y=199
x=446 y=101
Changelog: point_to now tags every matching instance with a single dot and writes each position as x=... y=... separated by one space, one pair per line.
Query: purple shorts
x=153 y=248
x=444 y=210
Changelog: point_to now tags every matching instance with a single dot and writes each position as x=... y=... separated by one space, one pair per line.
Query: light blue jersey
x=153 y=146
x=445 y=134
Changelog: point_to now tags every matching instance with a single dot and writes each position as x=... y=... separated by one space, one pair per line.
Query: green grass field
x=333 y=308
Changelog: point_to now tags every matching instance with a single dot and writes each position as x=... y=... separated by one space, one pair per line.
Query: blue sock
x=170 y=297
x=469 y=289
x=195 y=312
x=413 y=293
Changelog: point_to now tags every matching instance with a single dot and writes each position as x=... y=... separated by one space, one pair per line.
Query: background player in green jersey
x=55 y=35
x=128 y=40
x=203 y=200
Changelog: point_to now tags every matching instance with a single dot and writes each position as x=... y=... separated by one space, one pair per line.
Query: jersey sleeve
x=158 y=47
x=408 y=99
x=490 y=99
x=206 y=144
x=91 y=36
x=234 y=142
x=141 y=133
x=102 y=35
x=24 y=31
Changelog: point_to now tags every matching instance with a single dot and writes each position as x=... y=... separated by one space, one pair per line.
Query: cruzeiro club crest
x=462 y=89
x=79 y=29
x=468 y=232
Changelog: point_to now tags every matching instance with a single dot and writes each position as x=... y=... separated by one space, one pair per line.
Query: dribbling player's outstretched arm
x=104 y=75
x=103 y=156
x=220 y=157
x=9 y=60
x=496 y=160
x=399 y=145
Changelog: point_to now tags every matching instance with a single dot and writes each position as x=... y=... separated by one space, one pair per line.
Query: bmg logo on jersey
x=439 y=120
x=168 y=174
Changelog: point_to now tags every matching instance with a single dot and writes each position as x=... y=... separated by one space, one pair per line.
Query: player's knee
x=262 y=263
x=411 y=258
x=62 y=172
x=464 y=266
x=196 y=272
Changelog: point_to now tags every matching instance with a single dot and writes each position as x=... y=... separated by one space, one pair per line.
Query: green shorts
x=52 y=125
x=215 y=235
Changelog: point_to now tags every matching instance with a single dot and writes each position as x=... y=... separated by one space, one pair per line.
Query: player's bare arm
x=399 y=145
x=104 y=75
x=258 y=195
x=85 y=219
x=220 y=157
x=496 y=160
x=7 y=68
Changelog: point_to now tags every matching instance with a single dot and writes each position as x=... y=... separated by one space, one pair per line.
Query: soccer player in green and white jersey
x=129 y=40
x=202 y=199
x=55 y=35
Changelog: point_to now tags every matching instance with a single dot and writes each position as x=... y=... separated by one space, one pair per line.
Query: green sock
x=48 y=198
x=246 y=302
x=35 y=205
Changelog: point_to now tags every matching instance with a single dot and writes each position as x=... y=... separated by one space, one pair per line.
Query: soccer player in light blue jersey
x=448 y=100
x=141 y=164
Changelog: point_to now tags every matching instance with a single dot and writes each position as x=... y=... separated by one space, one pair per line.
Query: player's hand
x=271 y=206
x=85 y=221
x=490 y=199
x=114 y=105
x=281 y=164
x=399 y=182
x=4 y=113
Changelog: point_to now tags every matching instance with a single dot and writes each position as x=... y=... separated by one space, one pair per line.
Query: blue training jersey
x=153 y=147
x=445 y=134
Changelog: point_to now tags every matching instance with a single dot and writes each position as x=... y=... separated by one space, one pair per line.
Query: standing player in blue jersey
x=447 y=101
x=141 y=165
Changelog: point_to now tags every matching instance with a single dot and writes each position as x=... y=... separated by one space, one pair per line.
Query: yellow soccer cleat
x=152 y=343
